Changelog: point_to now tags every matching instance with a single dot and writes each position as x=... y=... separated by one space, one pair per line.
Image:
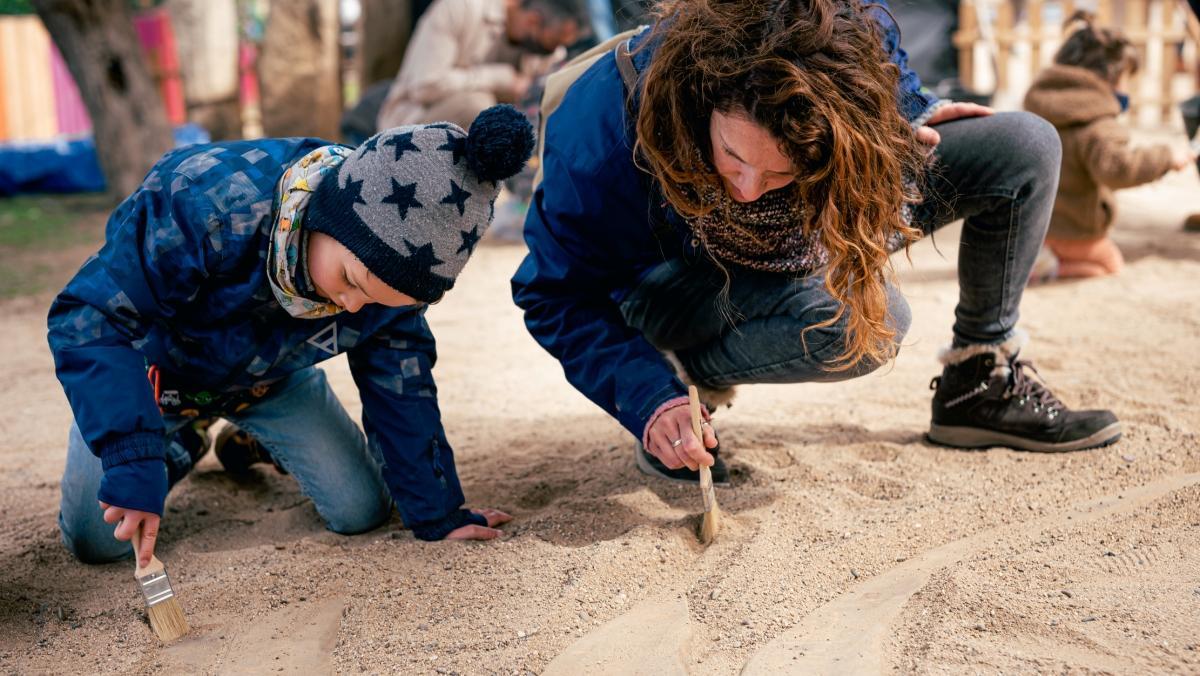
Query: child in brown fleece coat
x=1081 y=96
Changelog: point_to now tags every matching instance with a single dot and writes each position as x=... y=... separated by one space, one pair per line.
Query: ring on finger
x=676 y=443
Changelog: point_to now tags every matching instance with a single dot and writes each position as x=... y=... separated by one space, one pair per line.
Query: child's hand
x=475 y=532
x=128 y=521
x=1181 y=158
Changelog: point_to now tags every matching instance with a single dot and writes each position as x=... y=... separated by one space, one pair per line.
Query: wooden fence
x=1002 y=44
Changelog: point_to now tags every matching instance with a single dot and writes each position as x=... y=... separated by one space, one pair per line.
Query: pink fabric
x=158 y=43
x=247 y=58
x=69 y=110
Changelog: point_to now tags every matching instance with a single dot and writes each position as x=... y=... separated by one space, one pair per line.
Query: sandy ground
x=850 y=545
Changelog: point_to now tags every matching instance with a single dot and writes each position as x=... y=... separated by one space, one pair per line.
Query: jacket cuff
x=438 y=530
x=923 y=119
x=139 y=485
x=131 y=448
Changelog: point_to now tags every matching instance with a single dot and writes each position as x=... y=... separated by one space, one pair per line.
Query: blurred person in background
x=1082 y=95
x=467 y=55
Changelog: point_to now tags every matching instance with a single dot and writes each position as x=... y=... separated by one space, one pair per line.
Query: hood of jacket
x=1067 y=96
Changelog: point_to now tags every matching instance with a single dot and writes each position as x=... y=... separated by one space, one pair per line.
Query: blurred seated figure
x=467 y=55
x=1082 y=95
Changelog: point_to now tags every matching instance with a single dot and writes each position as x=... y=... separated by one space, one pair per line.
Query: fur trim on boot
x=1005 y=352
x=711 y=397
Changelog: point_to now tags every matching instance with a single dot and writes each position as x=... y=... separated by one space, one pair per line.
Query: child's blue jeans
x=306 y=430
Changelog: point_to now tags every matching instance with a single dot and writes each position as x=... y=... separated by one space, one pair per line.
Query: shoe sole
x=971 y=437
x=646 y=468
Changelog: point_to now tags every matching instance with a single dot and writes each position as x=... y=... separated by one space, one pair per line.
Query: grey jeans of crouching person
x=999 y=173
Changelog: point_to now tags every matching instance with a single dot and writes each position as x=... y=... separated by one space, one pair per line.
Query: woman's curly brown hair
x=814 y=74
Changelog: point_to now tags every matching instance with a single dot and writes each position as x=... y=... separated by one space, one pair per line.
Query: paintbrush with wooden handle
x=712 y=513
x=162 y=606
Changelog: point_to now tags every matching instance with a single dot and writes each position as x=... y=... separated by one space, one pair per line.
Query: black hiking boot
x=648 y=464
x=992 y=399
x=238 y=451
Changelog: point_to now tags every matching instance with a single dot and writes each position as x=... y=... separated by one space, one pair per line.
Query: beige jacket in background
x=1098 y=156
x=459 y=46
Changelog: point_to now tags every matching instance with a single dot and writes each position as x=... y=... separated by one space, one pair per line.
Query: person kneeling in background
x=1082 y=96
x=229 y=274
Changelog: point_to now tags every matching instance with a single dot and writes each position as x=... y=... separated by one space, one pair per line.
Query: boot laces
x=1027 y=389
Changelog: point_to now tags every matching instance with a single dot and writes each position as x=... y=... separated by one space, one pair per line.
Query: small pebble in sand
x=715 y=594
x=1067 y=593
x=1128 y=458
x=1090 y=618
x=521 y=633
x=854 y=573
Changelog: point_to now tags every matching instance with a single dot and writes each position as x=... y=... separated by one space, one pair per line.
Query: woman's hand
x=953 y=111
x=476 y=532
x=672 y=441
x=128 y=521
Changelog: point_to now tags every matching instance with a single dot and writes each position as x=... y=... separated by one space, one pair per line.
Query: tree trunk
x=299 y=69
x=206 y=32
x=98 y=43
x=383 y=30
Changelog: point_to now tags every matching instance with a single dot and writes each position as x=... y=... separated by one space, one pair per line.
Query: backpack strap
x=625 y=65
x=663 y=231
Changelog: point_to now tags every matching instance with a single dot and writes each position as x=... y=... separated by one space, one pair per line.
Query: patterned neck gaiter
x=287 y=258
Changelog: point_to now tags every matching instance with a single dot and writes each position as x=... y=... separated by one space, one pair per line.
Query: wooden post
x=1135 y=21
x=964 y=40
x=1170 y=60
x=1037 y=36
x=98 y=43
x=1004 y=42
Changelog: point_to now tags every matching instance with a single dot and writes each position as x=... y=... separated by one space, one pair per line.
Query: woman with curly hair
x=720 y=200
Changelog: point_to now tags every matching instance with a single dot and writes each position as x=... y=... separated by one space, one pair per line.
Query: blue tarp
x=66 y=164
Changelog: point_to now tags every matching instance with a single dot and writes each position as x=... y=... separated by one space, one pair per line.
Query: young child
x=1082 y=96
x=231 y=272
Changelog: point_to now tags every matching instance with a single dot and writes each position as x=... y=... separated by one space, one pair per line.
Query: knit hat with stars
x=412 y=202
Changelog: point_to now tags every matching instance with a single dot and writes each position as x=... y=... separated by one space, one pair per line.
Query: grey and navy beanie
x=412 y=202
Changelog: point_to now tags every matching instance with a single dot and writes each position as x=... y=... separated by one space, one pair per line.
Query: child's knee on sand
x=1086 y=258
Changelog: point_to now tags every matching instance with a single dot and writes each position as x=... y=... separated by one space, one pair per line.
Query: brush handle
x=154 y=566
x=706 y=483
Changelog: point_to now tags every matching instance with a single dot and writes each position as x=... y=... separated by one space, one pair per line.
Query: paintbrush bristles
x=167 y=620
x=711 y=525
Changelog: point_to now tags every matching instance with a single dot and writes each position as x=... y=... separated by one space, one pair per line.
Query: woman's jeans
x=306 y=430
x=999 y=173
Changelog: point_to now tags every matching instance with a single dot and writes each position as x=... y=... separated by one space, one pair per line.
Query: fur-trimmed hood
x=1068 y=96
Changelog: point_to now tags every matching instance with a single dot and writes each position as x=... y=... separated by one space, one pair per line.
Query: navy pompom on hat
x=413 y=202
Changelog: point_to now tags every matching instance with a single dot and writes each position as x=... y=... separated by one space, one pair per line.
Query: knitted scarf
x=767 y=234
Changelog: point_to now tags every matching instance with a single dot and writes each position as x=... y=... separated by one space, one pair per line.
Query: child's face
x=341 y=278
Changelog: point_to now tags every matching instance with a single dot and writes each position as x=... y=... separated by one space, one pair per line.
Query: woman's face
x=343 y=280
x=747 y=157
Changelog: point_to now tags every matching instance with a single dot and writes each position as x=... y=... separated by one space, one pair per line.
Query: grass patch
x=41 y=237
